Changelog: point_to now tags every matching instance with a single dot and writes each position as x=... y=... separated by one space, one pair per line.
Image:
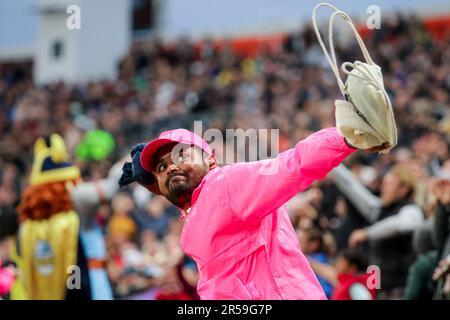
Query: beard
x=180 y=190
x=181 y=184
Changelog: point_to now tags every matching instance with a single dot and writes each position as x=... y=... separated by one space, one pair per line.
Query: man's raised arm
x=257 y=188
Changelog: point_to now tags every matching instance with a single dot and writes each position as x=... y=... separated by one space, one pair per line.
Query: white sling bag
x=365 y=118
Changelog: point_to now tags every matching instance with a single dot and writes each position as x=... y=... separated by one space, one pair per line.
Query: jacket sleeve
x=367 y=204
x=258 y=188
x=408 y=219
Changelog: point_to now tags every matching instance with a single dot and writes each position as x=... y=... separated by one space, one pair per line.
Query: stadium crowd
x=390 y=210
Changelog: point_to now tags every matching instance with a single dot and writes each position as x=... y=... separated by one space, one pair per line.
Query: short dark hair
x=355 y=257
x=316 y=234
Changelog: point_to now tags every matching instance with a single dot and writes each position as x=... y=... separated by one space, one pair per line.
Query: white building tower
x=81 y=40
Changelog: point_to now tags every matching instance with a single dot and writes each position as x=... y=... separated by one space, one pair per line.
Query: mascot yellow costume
x=49 y=227
x=60 y=249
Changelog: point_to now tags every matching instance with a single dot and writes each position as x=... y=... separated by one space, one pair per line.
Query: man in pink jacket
x=235 y=224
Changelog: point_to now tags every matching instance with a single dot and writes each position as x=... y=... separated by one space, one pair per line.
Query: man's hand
x=378 y=148
x=442 y=191
x=357 y=237
x=373 y=149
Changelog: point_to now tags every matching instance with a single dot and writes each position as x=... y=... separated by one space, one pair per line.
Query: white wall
x=106 y=37
x=90 y=53
x=46 y=69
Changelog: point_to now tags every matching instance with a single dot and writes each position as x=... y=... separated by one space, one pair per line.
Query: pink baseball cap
x=167 y=137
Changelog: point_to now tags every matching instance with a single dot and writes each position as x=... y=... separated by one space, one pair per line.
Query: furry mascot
x=60 y=252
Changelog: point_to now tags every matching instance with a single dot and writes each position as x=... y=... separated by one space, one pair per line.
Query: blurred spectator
x=393 y=218
x=155 y=216
x=312 y=245
x=348 y=276
x=180 y=282
x=441 y=235
x=161 y=87
x=121 y=226
x=419 y=284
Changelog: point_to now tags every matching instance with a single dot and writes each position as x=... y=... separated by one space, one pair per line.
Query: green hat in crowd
x=96 y=145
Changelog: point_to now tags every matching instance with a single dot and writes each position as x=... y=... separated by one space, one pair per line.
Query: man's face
x=179 y=174
x=342 y=266
x=307 y=245
x=392 y=189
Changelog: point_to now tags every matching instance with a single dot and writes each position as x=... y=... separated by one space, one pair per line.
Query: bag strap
x=332 y=60
x=366 y=74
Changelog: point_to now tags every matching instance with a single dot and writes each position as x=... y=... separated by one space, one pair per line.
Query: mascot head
x=51 y=162
x=52 y=175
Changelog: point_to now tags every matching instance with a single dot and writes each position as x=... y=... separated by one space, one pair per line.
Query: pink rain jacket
x=239 y=232
x=6 y=280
